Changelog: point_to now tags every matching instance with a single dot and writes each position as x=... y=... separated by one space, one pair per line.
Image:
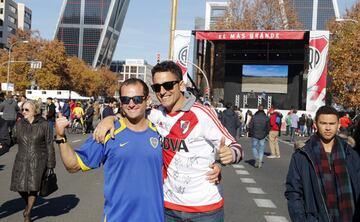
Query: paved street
x=250 y=194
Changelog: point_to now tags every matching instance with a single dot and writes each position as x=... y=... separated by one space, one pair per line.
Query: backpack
x=278 y=120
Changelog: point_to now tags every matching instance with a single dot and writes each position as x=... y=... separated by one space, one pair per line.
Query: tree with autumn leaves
x=58 y=70
x=344 y=59
x=258 y=15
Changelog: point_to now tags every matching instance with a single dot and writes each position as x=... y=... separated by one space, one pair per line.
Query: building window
x=27 y=26
x=12 y=9
x=11 y=30
x=1 y=11
x=127 y=69
x=0 y=34
x=133 y=69
x=43 y=92
x=58 y=92
x=141 y=69
x=1 y=22
x=122 y=77
x=28 y=15
x=11 y=19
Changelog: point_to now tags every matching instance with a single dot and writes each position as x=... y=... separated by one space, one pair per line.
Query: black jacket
x=4 y=137
x=303 y=191
x=259 y=125
x=35 y=153
x=230 y=120
x=51 y=112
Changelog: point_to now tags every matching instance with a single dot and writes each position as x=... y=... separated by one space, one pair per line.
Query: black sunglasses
x=26 y=110
x=166 y=85
x=135 y=99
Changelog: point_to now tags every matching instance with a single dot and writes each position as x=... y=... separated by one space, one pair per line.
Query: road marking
x=242 y=172
x=75 y=141
x=276 y=219
x=238 y=166
x=255 y=190
x=266 y=203
x=247 y=180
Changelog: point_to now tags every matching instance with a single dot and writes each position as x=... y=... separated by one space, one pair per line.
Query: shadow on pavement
x=43 y=208
x=250 y=162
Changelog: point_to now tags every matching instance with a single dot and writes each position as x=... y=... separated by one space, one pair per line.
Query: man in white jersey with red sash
x=192 y=139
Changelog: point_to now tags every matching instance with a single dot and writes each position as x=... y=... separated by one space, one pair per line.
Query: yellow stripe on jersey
x=121 y=128
x=151 y=126
x=82 y=164
x=105 y=218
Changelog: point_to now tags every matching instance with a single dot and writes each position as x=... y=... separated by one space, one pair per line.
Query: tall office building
x=90 y=29
x=314 y=14
x=12 y=16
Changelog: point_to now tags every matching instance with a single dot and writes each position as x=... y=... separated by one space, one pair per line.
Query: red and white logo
x=184 y=126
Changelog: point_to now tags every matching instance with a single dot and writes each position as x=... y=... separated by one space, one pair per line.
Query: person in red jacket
x=345 y=122
x=275 y=127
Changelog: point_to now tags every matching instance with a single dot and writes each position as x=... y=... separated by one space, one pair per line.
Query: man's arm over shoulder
x=294 y=191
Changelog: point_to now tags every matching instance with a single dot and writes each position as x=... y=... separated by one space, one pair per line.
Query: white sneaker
x=271 y=156
x=278 y=157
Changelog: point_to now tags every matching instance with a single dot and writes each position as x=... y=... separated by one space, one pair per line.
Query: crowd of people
x=177 y=150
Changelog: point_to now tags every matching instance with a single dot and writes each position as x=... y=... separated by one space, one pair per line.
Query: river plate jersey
x=190 y=142
x=133 y=182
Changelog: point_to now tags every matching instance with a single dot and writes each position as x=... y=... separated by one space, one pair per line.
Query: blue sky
x=146 y=28
x=265 y=70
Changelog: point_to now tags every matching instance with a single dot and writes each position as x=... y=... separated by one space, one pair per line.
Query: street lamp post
x=8 y=65
x=205 y=77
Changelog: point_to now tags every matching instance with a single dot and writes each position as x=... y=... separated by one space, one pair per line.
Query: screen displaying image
x=265 y=78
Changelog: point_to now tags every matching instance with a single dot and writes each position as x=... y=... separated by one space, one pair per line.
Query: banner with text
x=251 y=35
x=181 y=50
x=318 y=60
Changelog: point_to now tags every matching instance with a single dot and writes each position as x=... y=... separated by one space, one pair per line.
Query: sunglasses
x=135 y=99
x=26 y=110
x=166 y=85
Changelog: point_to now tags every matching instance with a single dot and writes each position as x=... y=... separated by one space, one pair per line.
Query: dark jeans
x=89 y=126
x=309 y=130
x=179 y=216
x=51 y=126
x=10 y=124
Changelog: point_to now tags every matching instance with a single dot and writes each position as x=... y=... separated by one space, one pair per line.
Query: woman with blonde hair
x=35 y=154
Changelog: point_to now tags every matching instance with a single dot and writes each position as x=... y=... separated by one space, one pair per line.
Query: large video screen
x=265 y=78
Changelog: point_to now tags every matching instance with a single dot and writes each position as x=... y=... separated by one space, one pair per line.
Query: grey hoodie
x=9 y=108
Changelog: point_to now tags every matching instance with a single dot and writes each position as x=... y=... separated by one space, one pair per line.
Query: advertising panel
x=181 y=50
x=318 y=60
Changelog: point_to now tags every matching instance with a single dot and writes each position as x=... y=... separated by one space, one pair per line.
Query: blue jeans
x=258 y=147
x=51 y=126
x=292 y=134
x=179 y=216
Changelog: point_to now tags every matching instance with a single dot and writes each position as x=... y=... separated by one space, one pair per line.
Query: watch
x=61 y=140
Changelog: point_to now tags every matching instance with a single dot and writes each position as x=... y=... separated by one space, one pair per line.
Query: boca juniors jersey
x=133 y=183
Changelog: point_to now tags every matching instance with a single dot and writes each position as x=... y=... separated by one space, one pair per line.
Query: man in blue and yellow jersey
x=132 y=161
